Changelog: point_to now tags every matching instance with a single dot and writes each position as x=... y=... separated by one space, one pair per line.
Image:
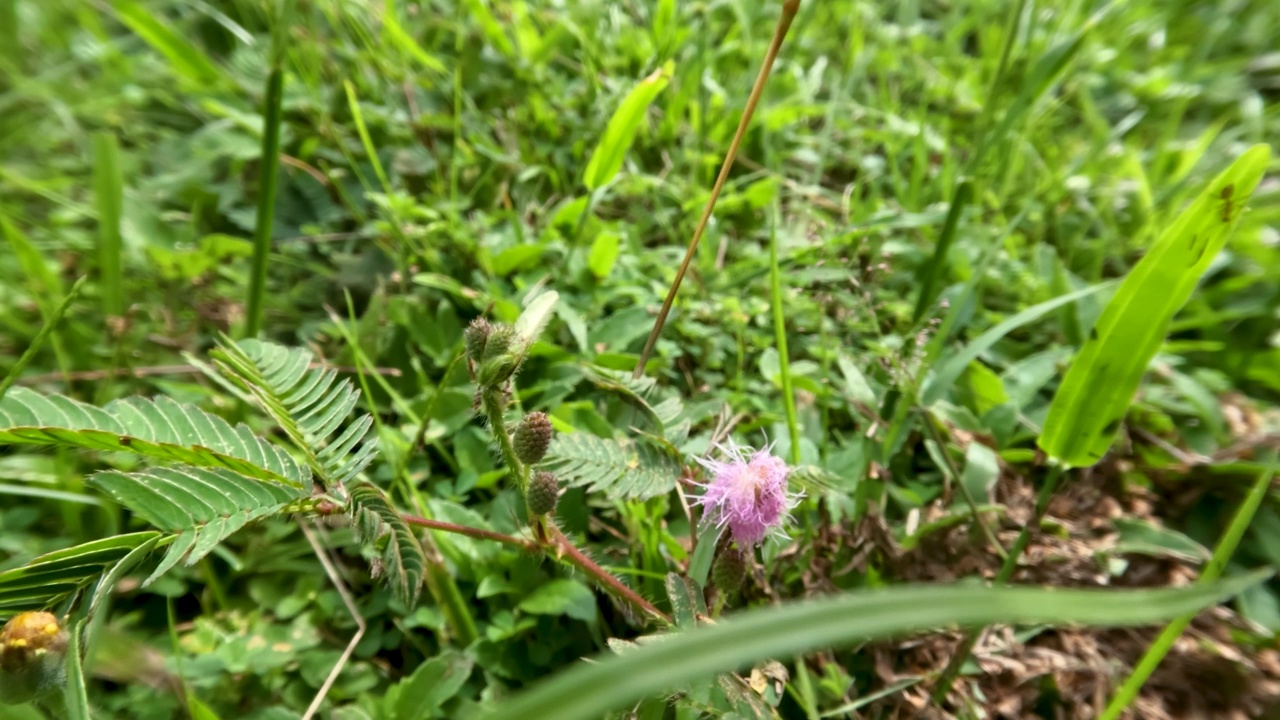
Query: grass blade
x=618 y=136
x=395 y=32
x=108 y=193
x=358 y=118
x=1094 y=396
x=74 y=694
x=780 y=335
x=946 y=372
x=268 y=173
x=50 y=322
x=589 y=690
x=187 y=60
x=1221 y=555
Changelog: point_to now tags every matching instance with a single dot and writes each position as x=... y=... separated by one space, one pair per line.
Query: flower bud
x=729 y=570
x=475 y=338
x=532 y=438
x=499 y=362
x=543 y=492
x=33 y=646
x=500 y=339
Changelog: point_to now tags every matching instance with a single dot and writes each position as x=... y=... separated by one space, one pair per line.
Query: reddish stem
x=554 y=540
x=471 y=532
x=587 y=565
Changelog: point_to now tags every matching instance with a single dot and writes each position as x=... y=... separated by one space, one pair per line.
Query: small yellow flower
x=32 y=648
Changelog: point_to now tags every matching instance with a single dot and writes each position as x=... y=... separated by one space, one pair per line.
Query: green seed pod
x=475 y=339
x=543 y=492
x=532 y=438
x=33 y=648
x=729 y=570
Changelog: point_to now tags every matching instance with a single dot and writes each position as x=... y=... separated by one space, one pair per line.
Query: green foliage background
x=440 y=160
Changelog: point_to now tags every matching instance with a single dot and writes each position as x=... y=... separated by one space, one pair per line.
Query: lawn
x=338 y=380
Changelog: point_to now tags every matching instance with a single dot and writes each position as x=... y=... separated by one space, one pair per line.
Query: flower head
x=748 y=492
x=33 y=646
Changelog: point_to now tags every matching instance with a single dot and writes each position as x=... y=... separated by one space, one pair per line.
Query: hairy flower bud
x=500 y=339
x=729 y=570
x=32 y=648
x=499 y=363
x=543 y=492
x=475 y=338
x=532 y=438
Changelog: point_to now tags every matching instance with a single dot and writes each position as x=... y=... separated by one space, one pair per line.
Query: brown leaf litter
x=1067 y=674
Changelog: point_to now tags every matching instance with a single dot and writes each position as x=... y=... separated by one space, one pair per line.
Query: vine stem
x=495 y=409
x=952 y=671
x=564 y=548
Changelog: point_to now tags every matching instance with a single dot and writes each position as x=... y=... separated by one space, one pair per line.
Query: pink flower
x=748 y=492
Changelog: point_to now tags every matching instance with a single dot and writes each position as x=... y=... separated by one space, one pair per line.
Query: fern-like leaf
x=378 y=524
x=52 y=578
x=308 y=405
x=202 y=506
x=159 y=428
x=664 y=413
x=623 y=469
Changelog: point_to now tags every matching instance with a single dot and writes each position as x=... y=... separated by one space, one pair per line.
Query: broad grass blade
x=607 y=159
x=186 y=59
x=947 y=371
x=589 y=690
x=1094 y=396
x=108 y=195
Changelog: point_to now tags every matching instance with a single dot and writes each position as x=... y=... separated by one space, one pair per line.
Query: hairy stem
x=965 y=649
x=565 y=547
x=495 y=408
x=472 y=532
x=549 y=537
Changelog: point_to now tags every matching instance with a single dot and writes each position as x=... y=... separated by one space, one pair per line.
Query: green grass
x=932 y=209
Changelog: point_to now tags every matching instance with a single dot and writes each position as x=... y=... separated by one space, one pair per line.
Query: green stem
x=455 y=164
x=51 y=321
x=495 y=408
x=1221 y=554
x=952 y=671
x=445 y=592
x=108 y=197
x=933 y=271
x=780 y=335
x=931 y=428
x=962 y=191
x=268 y=172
